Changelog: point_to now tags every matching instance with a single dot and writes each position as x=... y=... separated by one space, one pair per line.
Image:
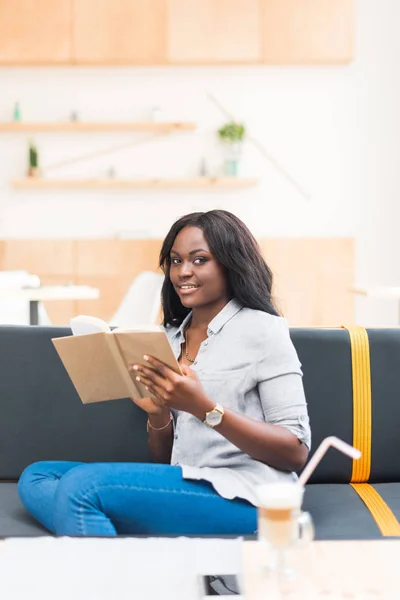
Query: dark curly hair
x=234 y=247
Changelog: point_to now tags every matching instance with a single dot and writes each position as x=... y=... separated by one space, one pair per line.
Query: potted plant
x=232 y=135
x=33 y=170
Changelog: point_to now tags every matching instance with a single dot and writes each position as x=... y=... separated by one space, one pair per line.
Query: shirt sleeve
x=280 y=384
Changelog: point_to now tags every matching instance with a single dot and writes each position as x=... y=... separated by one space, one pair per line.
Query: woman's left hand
x=181 y=392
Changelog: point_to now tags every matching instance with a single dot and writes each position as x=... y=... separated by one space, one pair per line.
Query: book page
x=84 y=324
x=134 y=344
x=141 y=328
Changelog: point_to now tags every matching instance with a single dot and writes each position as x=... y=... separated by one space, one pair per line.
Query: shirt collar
x=184 y=323
x=224 y=315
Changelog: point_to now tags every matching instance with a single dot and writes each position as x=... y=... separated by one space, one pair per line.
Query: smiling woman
x=235 y=418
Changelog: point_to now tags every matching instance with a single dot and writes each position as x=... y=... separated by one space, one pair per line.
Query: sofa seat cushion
x=14 y=520
x=339 y=513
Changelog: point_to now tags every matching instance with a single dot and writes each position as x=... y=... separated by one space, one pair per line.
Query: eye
x=200 y=260
x=175 y=261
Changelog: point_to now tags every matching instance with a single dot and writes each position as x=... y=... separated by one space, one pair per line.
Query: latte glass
x=282 y=525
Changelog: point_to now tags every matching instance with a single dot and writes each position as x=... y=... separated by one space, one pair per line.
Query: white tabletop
x=113 y=569
x=169 y=569
x=360 y=570
x=51 y=292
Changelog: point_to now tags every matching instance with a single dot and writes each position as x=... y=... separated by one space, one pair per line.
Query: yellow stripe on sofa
x=362 y=433
x=362 y=421
x=383 y=515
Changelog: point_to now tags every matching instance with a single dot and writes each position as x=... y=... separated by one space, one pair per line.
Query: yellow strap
x=361 y=375
x=385 y=519
x=362 y=425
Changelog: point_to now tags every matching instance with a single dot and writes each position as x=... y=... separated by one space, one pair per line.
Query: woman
x=234 y=419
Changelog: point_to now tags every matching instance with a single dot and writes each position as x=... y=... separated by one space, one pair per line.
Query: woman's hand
x=152 y=406
x=158 y=414
x=182 y=392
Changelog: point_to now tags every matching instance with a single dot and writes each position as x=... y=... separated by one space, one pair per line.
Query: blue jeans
x=106 y=499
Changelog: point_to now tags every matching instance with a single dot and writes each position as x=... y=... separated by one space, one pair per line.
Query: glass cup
x=282 y=526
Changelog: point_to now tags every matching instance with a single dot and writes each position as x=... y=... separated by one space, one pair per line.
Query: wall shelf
x=76 y=126
x=151 y=184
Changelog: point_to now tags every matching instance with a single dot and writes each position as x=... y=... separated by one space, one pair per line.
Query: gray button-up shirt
x=248 y=364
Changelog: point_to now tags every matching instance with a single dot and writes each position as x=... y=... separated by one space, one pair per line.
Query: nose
x=185 y=270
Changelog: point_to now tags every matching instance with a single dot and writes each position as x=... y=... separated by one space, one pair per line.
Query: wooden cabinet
x=312 y=276
x=188 y=32
x=119 y=31
x=308 y=31
x=214 y=31
x=35 y=32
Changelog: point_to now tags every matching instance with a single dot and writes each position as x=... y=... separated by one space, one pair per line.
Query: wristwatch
x=214 y=417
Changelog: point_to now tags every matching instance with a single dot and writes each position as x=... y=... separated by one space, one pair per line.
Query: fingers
x=153 y=381
x=161 y=367
x=160 y=380
x=151 y=375
x=153 y=388
x=157 y=401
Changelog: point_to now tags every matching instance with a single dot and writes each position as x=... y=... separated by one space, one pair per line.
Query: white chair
x=16 y=312
x=141 y=303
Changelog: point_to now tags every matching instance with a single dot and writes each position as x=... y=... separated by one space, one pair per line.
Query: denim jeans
x=106 y=499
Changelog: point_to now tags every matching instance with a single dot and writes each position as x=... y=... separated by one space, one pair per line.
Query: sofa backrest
x=327 y=367
x=42 y=417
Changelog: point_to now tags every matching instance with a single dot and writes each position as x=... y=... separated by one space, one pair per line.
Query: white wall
x=376 y=78
x=334 y=128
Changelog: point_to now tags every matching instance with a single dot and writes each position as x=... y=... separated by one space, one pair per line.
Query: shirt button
x=175 y=437
x=195 y=362
x=206 y=343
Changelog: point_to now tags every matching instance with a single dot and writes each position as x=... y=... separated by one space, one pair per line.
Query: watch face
x=214 y=418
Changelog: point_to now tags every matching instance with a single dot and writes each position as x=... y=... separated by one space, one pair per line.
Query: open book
x=98 y=359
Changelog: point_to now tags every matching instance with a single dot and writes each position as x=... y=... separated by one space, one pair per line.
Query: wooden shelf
x=49 y=127
x=150 y=184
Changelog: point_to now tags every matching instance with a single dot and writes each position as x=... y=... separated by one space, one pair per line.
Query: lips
x=187 y=288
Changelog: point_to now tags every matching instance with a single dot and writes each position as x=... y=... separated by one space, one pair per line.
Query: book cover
x=98 y=363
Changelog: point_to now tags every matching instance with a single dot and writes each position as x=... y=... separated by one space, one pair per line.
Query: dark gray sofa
x=42 y=418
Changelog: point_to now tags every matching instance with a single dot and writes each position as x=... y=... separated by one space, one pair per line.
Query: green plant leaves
x=232 y=132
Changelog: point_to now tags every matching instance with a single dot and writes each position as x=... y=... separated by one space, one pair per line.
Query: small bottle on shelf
x=111 y=173
x=16 y=112
x=203 y=171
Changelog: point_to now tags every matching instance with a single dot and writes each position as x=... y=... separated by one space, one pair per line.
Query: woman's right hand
x=158 y=413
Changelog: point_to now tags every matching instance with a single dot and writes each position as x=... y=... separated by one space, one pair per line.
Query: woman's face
x=198 y=279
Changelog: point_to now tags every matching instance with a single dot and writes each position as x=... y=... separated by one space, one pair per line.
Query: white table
x=113 y=569
x=169 y=569
x=383 y=292
x=47 y=293
x=357 y=570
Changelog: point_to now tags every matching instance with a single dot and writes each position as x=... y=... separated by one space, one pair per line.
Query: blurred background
x=119 y=116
